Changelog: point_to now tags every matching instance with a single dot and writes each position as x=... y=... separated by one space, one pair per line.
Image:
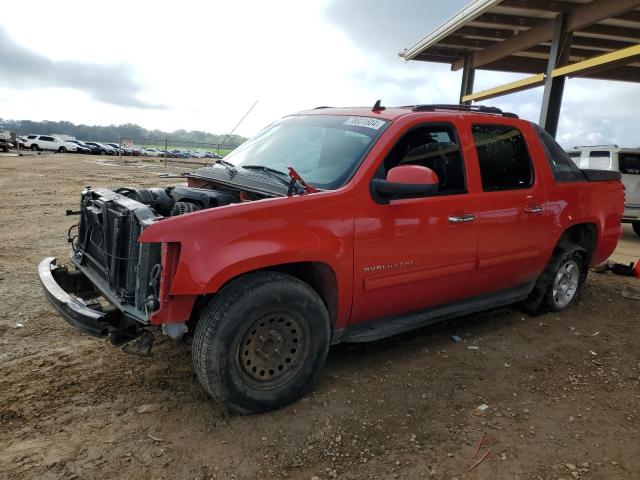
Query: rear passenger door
x=47 y=143
x=513 y=224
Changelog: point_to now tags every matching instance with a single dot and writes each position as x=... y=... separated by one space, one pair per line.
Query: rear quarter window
x=600 y=160
x=562 y=164
x=629 y=163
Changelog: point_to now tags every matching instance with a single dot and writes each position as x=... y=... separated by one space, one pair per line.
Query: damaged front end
x=116 y=286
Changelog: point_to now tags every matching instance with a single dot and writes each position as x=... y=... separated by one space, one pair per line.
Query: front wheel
x=261 y=342
x=62 y=150
x=636 y=227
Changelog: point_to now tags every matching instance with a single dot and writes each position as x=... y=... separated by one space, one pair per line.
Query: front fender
x=219 y=244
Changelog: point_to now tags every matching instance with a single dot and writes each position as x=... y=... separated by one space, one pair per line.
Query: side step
x=387 y=327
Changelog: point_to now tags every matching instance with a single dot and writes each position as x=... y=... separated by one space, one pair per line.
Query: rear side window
x=600 y=160
x=46 y=139
x=504 y=159
x=629 y=163
x=562 y=164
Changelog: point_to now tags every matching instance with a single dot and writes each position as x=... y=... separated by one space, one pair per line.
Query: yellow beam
x=624 y=55
x=601 y=62
x=518 y=85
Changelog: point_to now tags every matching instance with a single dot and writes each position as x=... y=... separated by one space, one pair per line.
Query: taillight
x=169 y=256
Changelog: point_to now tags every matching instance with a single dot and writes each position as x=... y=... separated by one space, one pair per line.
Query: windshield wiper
x=271 y=172
x=228 y=166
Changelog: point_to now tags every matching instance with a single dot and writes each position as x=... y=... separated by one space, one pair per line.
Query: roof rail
x=589 y=146
x=320 y=108
x=462 y=108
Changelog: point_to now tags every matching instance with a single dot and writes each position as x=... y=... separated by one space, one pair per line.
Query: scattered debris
x=456 y=338
x=478 y=445
x=148 y=408
x=19 y=325
x=593 y=353
x=155 y=439
x=480 y=409
x=594 y=334
x=473 y=347
x=480 y=460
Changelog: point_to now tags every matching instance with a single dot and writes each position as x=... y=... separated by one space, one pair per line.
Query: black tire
x=62 y=150
x=34 y=147
x=103 y=152
x=636 y=227
x=548 y=294
x=272 y=310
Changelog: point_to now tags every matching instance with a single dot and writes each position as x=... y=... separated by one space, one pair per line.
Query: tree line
x=112 y=133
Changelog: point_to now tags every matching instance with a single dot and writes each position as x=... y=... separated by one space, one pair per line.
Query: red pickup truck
x=335 y=225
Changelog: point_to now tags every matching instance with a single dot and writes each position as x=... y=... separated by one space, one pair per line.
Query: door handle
x=469 y=217
x=534 y=209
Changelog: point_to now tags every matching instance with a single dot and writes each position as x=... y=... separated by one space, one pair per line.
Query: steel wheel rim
x=272 y=349
x=565 y=284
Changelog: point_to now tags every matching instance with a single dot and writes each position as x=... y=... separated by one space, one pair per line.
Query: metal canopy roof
x=516 y=35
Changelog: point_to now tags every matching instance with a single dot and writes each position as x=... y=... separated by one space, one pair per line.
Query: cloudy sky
x=201 y=65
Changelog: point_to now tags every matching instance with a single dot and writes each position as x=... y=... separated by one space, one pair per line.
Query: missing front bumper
x=60 y=288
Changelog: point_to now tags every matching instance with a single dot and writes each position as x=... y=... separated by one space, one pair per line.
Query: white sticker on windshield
x=366 y=122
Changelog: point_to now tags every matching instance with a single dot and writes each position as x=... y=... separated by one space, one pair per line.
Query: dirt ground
x=562 y=390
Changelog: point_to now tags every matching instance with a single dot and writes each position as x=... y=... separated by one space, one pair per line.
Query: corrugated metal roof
x=484 y=25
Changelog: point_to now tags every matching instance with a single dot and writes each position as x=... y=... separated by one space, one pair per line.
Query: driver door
x=416 y=253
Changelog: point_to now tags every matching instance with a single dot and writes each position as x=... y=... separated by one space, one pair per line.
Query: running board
x=387 y=327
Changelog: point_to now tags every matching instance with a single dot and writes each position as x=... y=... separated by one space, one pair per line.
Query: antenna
x=238 y=124
x=378 y=106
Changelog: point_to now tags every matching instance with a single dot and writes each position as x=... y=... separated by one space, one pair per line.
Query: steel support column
x=554 y=86
x=468 y=75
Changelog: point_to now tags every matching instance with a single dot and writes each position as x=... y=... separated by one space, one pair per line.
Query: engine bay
x=178 y=200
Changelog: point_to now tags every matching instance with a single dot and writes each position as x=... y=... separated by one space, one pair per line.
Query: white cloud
x=209 y=61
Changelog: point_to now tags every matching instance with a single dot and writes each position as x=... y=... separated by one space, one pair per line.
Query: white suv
x=49 y=142
x=624 y=160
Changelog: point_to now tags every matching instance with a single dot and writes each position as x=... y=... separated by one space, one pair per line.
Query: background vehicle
x=82 y=147
x=404 y=217
x=153 y=152
x=49 y=142
x=5 y=141
x=102 y=149
x=623 y=160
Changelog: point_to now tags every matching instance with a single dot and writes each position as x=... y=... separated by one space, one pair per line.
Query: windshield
x=324 y=149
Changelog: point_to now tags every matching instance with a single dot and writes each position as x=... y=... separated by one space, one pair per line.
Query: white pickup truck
x=624 y=160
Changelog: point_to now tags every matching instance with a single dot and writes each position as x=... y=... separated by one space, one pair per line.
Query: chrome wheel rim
x=272 y=350
x=565 y=285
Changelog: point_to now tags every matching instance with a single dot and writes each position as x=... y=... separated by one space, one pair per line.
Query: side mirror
x=405 y=181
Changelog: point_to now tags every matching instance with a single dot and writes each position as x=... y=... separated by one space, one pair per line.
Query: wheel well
x=584 y=235
x=317 y=275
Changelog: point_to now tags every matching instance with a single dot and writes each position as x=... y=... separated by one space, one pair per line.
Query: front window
x=324 y=149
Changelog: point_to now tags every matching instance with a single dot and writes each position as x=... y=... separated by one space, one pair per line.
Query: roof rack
x=320 y=108
x=462 y=108
x=589 y=146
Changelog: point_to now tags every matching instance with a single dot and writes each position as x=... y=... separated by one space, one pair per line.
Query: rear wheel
x=636 y=227
x=261 y=342
x=559 y=285
x=62 y=150
x=103 y=152
x=34 y=147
